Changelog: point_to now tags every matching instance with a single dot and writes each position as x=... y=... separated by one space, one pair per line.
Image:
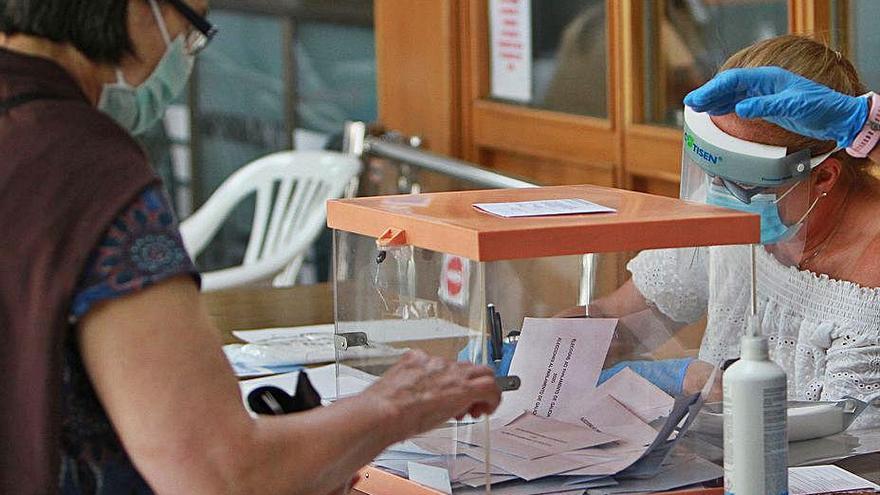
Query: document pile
x=560 y=433
x=277 y=350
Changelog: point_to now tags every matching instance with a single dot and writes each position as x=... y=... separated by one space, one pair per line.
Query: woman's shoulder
x=79 y=135
x=90 y=144
x=865 y=269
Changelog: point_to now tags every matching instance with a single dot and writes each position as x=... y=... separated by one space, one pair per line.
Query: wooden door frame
x=463 y=122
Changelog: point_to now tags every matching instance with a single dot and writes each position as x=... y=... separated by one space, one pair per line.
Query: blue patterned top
x=141 y=248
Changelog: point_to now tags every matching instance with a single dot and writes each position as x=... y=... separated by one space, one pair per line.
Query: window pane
x=686 y=41
x=864 y=41
x=243 y=107
x=554 y=59
x=336 y=76
x=240 y=116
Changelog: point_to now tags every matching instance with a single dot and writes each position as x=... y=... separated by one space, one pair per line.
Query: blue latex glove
x=667 y=375
x=785 y=99
x=476 y=355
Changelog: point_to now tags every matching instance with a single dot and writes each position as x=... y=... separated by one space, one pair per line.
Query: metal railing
x=358 y=142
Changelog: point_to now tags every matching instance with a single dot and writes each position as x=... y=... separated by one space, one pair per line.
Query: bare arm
x=624 y=301
x=157 y=365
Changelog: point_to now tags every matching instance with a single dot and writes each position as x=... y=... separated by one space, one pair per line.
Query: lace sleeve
x=675 y=281
x=853 y=368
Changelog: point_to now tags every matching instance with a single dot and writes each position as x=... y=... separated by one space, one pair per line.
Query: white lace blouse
x=825 y=333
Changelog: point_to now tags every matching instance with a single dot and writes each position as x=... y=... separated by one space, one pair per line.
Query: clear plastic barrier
x=624 y=380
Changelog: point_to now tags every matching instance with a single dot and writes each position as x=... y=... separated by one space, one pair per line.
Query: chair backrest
x=291 y=189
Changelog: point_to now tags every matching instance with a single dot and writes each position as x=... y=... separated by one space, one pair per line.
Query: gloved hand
x=469 y=353
x=785 y=99
x=668 y=374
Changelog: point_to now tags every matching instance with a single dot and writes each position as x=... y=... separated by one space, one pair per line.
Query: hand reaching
x=421 y=392
x=785 y=99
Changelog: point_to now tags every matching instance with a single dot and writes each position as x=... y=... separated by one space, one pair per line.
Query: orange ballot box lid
x=449 y=223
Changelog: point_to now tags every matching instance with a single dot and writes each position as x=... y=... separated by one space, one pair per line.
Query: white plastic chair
x=292 y=189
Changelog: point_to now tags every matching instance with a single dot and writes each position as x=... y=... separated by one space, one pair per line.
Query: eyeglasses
x=740 y=191
x=197 y=39
x=745 y=192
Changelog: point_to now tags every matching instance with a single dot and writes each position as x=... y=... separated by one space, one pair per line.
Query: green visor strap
x=722 y=155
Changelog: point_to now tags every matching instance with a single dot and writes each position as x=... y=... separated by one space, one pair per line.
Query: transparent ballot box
x=579 y=313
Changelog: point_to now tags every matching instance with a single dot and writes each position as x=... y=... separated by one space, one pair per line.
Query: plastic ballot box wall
x=419 y=272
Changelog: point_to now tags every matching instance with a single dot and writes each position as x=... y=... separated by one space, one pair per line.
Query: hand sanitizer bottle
x=755 y=440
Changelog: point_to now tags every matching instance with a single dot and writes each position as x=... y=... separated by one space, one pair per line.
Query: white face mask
x=139 y=108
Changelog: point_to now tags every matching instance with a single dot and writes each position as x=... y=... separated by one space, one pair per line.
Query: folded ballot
x=560 y=432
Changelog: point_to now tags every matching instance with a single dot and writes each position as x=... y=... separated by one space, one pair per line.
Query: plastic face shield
x=726 y=171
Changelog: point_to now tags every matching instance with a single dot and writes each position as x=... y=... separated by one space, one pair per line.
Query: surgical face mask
x=773 y=229
x=139 y=108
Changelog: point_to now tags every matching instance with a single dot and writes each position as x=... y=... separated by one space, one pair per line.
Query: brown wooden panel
x=547 y=171
x=542 y=133
x=812 y=17
x=417 y=56
x=653 y=151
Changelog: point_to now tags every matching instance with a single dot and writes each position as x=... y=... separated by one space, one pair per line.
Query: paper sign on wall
x=511 y=48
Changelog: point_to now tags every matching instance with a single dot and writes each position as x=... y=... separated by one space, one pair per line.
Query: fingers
x=433 y=389
x=721 y=94
x=721 y=91
x=762 y=106
x=473 y=371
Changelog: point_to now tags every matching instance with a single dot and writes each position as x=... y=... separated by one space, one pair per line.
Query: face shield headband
x=745 y=168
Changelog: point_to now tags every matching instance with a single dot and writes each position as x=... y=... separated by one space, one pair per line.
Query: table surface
x=267 y=307
x=241 y=309
x=867 y=466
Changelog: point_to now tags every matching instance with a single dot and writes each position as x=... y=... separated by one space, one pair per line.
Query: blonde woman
x=820 y=310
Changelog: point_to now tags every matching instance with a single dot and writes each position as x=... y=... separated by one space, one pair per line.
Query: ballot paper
x=550 y=207
x=558 y=361
x=430 y=476
x=607 y=414
x=688 y=471
x=531 y=437
x=540 y=487
x=618 y=463
x=560 y=432
x=811 y=480
x=479 y=479
x=638 y=395
x=670 y=433
x=527 y=469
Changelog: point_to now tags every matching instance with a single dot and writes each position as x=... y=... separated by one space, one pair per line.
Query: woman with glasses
x=112 y=377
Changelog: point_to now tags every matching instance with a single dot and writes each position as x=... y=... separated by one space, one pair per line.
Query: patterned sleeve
x=142 y=247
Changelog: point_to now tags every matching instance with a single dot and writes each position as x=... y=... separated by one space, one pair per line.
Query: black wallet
x=271 y=400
